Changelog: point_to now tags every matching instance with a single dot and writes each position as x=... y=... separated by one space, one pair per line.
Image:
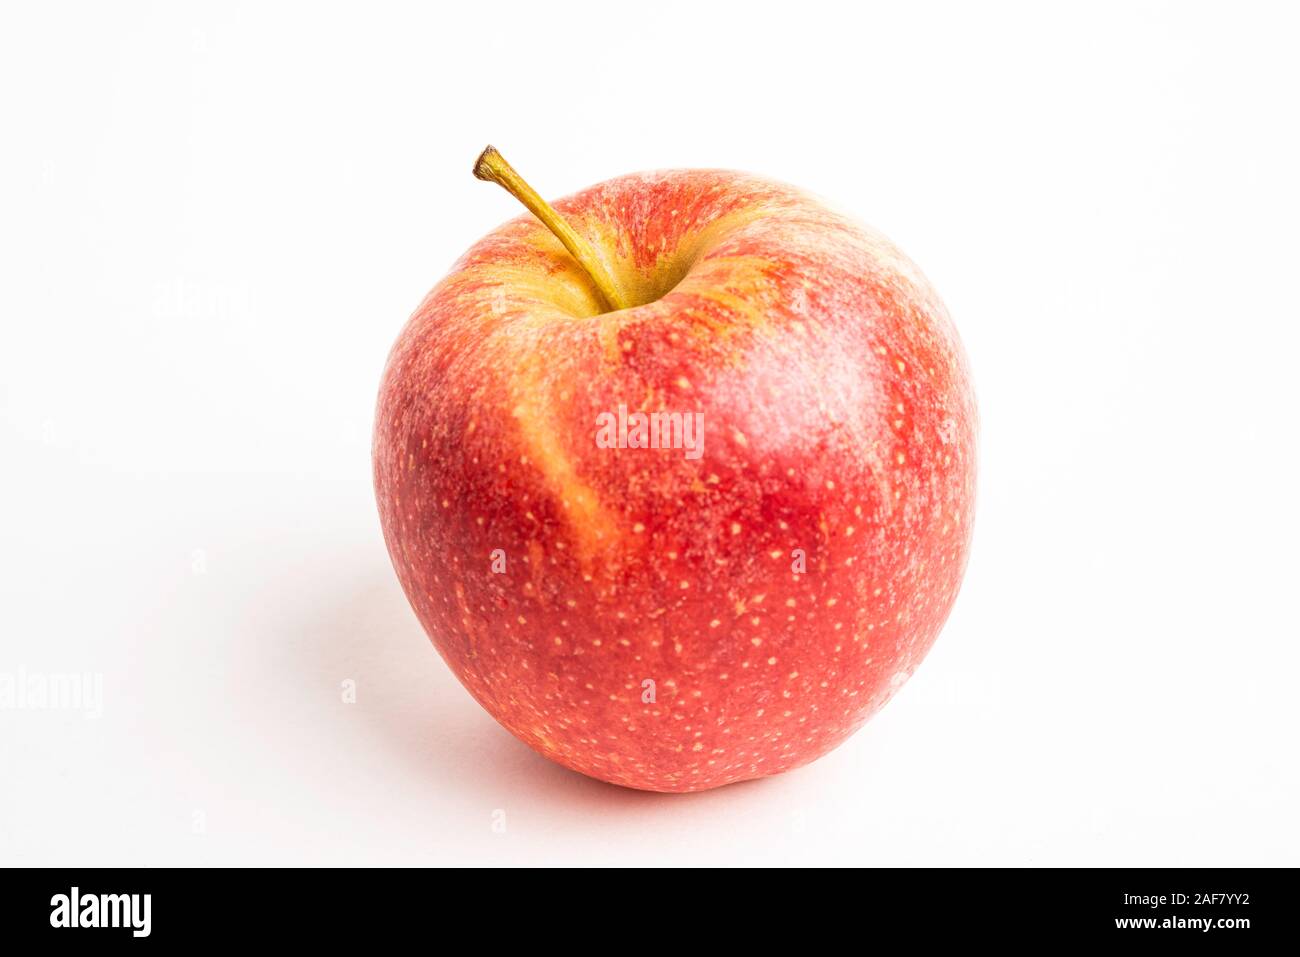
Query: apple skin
x=839 y=420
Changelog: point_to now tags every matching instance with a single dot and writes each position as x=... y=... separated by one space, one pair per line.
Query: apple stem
x=492 y=167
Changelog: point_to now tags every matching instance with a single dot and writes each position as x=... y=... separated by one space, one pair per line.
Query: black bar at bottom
x=134 y=907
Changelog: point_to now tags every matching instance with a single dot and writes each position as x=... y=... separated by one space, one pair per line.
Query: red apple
x=703 y=608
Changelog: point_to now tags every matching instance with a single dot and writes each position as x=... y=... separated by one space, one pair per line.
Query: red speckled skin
x=838 y=420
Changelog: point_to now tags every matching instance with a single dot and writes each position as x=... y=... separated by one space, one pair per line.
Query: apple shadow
x=413 y=711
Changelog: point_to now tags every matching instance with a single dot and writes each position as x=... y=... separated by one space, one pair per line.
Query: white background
x=214 y=220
